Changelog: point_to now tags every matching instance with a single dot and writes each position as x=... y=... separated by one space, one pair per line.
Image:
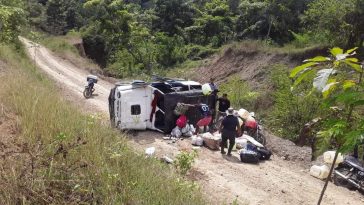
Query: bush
x=239 y=93
x=197 y=52
x=184 y=161
x=291 y=109
x=301 y=40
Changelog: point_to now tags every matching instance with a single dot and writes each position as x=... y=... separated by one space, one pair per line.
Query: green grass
x=60 y=44
x=69 y=157
x=262 y=46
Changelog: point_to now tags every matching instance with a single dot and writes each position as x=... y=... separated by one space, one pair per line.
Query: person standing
x=224 y=104
x=206 y=115
x=213 y=96
x=213 y=86
x=229 y=131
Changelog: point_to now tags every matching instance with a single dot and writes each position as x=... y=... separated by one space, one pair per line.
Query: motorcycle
x=87 y=92
x=350 y=174
x=257 y=133
x=89 y=88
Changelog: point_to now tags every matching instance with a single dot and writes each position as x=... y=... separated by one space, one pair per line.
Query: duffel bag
x=248 y=156
x=264 y=154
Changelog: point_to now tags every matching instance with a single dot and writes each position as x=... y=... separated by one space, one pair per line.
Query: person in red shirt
x=206 y=116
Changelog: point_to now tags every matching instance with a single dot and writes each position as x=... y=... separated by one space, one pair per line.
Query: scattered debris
x=167 y=159
x=150 y=151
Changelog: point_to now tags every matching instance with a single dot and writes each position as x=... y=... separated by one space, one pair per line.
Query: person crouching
x=229 y=131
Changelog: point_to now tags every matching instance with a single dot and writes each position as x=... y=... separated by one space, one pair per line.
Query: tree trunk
x=269 y=28
x=328 y=178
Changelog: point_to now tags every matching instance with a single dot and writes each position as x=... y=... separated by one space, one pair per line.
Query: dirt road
x=223 y=179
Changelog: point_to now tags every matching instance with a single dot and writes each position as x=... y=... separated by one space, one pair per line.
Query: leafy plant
x=291 y=110
x=339 y=79
x=239 y=93
x=11 y=20
x=184 y=161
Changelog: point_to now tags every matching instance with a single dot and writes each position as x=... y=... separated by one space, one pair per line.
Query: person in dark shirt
x=224 y=103
x=229 y=131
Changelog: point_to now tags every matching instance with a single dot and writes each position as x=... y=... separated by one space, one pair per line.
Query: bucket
x=329 y=157
x=321 y=172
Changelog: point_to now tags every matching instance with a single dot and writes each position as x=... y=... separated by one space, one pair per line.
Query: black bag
x=264 y=154
x=248 y=156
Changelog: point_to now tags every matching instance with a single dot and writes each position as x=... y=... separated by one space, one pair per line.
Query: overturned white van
x=139 y=105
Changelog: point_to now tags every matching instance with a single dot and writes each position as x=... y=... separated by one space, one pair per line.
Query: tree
x=355 y=18
x=270 y=19
x=173 y=15
x=339 y=78
x=108 y=29
x=327 y=20
x=214 y=24
x=56 y=17
x=11 y=20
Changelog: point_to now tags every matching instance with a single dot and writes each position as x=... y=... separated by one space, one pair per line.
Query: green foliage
x=332 y=21
x=239 y=93
x=339 y=79
x=142 y=37
x=301 y=40
x=184 y=161
x=11 y=20
x=291 y=110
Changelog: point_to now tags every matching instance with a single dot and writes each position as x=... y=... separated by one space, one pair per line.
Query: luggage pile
x=252 y=151
x=186 y=131
x=211 y=141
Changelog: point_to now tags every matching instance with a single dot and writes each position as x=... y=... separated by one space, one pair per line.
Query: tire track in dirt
x=222 y=179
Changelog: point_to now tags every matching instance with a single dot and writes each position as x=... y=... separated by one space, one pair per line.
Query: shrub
x=239 y=93
x=184 y=161
x=291 y=110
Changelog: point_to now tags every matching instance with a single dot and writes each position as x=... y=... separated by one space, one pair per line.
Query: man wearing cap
x=229 y=130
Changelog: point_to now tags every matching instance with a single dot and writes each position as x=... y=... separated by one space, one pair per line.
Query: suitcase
x=264 y=154
x=248 y=156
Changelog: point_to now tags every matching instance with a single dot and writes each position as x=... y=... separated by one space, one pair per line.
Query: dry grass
x=65 y=157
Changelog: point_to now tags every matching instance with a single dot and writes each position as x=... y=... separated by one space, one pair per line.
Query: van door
x=134 y=109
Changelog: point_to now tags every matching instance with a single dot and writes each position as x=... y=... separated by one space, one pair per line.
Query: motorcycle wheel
x=339 y=181
x=261 y=138
x=87 y=93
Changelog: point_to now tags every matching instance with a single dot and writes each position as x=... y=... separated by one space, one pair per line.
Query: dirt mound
x=251 y=63
x=288 y=151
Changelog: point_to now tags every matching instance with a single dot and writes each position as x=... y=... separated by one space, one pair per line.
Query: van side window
x=135 y=110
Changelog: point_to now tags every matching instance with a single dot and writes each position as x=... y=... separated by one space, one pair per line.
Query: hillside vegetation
x=56 y=155
x=132 y=37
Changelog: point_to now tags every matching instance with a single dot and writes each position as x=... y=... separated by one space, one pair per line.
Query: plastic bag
x=197 y=140
x=185 y=129
x=176 y=132
x=150 y=151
